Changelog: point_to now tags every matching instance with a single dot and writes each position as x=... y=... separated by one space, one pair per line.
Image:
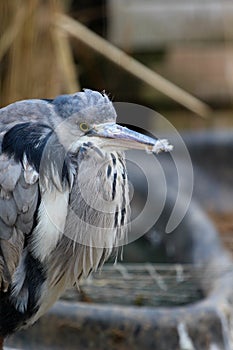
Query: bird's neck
x=97 y=214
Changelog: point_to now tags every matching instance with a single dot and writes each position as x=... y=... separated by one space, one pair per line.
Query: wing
x=25 y=128
x=18 y=187
x=18 y=204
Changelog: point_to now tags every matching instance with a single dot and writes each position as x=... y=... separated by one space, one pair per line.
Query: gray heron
x=64 y=198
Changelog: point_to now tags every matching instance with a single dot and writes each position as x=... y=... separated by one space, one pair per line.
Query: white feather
x=51 y=222
x=30 y=173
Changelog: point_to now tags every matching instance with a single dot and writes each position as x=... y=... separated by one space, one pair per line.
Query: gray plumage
x=64 y=203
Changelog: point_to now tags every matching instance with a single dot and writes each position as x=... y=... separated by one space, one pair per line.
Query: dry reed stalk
x=64 y=55
x=38 y=60
x=10 y=33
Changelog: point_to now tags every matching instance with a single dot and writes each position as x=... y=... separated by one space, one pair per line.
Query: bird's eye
x=84 y=127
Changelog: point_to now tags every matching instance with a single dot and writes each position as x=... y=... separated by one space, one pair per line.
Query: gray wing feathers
x=11 y=251
x=9 y=174
x=8 y=211
x=5 y=231
x=18 y=187
x=18 y=203
x=26 y=198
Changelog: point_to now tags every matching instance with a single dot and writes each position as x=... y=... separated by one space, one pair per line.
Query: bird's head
x=89 y=116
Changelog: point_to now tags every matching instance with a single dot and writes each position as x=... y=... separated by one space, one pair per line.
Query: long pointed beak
x=124 y=138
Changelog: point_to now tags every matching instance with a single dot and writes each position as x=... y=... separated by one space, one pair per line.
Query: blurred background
x=175 y=57
x=188 y=42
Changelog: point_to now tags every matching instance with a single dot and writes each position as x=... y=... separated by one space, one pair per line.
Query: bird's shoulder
x=35 y=110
